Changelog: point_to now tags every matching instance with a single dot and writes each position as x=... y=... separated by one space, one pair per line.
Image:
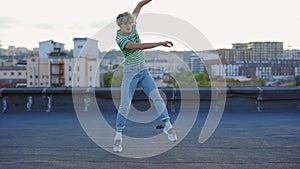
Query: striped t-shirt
x=132 y=57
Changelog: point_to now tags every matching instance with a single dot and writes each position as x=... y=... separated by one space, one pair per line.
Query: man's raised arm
x=139 y=6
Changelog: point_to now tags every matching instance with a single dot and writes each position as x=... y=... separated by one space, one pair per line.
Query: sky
x=24 y=23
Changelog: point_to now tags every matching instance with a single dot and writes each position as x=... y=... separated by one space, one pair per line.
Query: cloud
x=44 y=26
x=100 y=24
x=7 y=22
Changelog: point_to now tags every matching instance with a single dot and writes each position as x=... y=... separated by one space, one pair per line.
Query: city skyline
x=25 y=23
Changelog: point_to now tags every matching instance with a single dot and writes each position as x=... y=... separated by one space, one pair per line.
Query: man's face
x=126 y=28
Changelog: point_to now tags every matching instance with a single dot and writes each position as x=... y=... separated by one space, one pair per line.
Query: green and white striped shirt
x=132 y=57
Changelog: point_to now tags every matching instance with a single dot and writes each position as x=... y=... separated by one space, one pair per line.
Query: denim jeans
x=132 y=76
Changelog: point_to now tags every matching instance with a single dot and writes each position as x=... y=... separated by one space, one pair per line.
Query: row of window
x=78 y=79
x=36 y=76
x=41 y=84
x=78 y=68
x=12 y=73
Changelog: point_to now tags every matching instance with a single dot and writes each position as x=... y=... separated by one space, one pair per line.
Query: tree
x=115 y=66
x=202 y=79
x=107 y=77
x=184 y=79
x=297 y=79
x=262 y=81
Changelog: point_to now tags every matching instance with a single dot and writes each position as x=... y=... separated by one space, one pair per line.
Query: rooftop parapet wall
x=253 y=99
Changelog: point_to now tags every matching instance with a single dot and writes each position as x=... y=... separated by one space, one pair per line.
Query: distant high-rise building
x=262 y=51
x=291 y=54
x=85 y=47
x=235 y=56
x=196 y=64
x=239 y=46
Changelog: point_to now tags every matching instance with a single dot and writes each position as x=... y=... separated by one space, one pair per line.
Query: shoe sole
x=117 y=151
x=168 y=136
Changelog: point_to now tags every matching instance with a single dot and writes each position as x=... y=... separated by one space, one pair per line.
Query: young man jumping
x=135 y=72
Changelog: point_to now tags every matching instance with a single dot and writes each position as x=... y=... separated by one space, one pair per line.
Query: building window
x=33 y=60
x=70 y=78
x=78 y=68
x=78 y=79
x=30 y=76
x=36 y=76
x=80 y=46
x=4 y=73
x=12 y=73
x=30 y=83
x=90 y=68
x=70 y=68
x=91 y=79
x=42 y=84
x=19 y=73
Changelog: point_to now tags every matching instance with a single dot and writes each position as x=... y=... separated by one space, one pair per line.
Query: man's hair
x=125 y=17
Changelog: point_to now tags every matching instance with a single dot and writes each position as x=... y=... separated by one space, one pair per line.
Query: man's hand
x=139 y=6
x=167 y=44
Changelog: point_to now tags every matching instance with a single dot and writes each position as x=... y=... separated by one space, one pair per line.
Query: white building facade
x=82 y=72
x=263 y=72
x=85 y=47
x=38 y=72
x=50 y=46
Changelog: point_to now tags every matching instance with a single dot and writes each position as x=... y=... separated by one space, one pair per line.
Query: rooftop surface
x=245 y=138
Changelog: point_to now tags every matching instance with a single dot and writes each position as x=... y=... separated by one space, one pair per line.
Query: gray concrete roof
x=245 y=137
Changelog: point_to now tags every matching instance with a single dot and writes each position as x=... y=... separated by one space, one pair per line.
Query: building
x=85 y=47
x=61 y=72
x=38 y=72
x=196 y=64
x=231 y=70
x=263 y=72
x=235 y=56
x=291 y=54
x=82 y=72
x=12 y=72
x=35 y=51
x=156 y=73
x=11 y=51
x=22 y=51
x=262 y=51
x=57 y=78
x=8 y=62
x=12 y=76
x=51 y=48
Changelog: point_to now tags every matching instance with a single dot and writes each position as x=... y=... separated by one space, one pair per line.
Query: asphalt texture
x=243 y=139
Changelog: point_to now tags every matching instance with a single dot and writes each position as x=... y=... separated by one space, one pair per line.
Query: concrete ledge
x=62 y=99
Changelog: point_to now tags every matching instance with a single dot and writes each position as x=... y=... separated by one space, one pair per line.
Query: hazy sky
x=223 y=22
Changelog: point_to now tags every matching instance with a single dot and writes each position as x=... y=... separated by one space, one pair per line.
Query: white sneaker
x=171 y=134
x=117 y=147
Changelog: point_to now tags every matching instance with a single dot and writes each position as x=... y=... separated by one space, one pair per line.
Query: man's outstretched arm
x=144 y=46
x=139 y=6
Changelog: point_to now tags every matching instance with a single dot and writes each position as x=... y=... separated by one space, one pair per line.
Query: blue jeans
x=132 y=76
